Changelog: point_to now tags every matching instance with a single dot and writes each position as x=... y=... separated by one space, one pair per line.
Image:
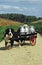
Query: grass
x=4 y=24
x=38 y=27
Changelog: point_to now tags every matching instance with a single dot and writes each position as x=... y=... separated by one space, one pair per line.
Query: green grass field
x=38 y=27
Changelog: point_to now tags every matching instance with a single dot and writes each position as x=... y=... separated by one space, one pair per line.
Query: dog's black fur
x=14 y=37
x=11 y=39
x=7 y=31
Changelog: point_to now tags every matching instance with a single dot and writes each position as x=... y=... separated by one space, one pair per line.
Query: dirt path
x=26 y=55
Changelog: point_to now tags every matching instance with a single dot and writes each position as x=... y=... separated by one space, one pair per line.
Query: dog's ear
x=7 y=31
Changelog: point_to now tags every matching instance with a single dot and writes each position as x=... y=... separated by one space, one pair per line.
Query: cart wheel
x=32 y=40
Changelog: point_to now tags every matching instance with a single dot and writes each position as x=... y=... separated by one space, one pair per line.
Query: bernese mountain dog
x=9 y=37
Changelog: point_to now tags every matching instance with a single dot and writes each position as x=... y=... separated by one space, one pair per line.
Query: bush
x=38 y=27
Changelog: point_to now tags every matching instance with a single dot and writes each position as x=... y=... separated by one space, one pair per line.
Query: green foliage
x=19 y=17
x=38 y=27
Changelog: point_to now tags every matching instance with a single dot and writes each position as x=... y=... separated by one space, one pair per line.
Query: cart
x=29 y=35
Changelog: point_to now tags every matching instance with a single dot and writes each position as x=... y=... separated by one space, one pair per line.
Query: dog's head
x=9 y=33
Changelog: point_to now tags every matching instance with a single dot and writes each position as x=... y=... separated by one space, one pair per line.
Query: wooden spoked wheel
x=32 y=40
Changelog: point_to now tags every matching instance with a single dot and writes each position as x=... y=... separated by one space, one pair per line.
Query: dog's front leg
x=6 y=45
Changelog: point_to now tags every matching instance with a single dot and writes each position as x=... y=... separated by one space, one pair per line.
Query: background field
x=5 y=23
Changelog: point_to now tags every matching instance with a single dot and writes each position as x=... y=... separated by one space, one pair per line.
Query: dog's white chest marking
x=8 y=36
